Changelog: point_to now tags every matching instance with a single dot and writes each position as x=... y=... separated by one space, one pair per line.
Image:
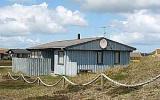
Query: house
x=91 y=54
x=3 y=54
x=135 y=56
x=156 y=53
x=19 y=53
x=145 y=54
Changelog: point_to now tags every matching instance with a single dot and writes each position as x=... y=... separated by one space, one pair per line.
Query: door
x=59 y=62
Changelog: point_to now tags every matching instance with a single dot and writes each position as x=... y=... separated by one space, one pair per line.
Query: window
x=36 y=54
x=99 y=57
x=61 y=57
x=117 y=57
x=32 y=54
x=39 y=54
x=20 y=55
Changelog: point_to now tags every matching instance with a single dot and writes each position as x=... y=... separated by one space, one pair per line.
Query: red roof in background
x=3 y=51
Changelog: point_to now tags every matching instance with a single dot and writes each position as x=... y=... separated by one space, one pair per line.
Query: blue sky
x=24 y=23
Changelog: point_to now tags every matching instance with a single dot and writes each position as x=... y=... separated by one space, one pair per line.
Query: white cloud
x=141 y=21
x=19 y=20
x=69 y=17
x=119 y=5
x=23 y=1
x=18 y=42
x=140 y=28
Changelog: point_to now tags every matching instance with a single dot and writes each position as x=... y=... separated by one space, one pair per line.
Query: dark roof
x=68 y=43
x=64 y=44
x=135 y=54
x=22 y=51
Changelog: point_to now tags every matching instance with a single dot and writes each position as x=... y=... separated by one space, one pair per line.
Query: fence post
x=102 y=83
x=38 y=81
x=64 y=82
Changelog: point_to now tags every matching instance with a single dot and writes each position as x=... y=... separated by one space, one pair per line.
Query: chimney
x=79 y=36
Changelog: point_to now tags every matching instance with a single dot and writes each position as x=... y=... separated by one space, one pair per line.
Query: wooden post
x=102 y=83
x=38 y=81
x=21 y=79
x=64 y=82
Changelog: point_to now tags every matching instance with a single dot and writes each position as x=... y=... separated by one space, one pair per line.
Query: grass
x=55 y=97
x=4 y=70
x=10 y=84
x=134 y=73
x=5 y=63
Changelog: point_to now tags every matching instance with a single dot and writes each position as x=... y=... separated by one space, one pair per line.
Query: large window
x=117 y=57
x=61 y=57
x=99 y=57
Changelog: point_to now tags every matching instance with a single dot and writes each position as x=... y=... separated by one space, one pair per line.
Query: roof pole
x=104 y=31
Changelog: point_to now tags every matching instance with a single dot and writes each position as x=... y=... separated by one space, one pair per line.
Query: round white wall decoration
x=103 y=43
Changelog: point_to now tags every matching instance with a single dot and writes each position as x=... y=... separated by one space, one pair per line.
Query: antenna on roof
x=104 y=30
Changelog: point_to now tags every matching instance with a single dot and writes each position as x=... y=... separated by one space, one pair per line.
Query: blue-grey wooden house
x=69 y=57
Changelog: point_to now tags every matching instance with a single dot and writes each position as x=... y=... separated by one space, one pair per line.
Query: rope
x=9 y=74
x=90 y=82
x=69 y=80
x=38 y=79
x=126 y=85
x=48 y=84
x=27 y=80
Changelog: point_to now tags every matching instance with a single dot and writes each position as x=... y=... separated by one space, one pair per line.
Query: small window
x=36 y=54
x=32 y=54
x=19 y=55
x=99 y=57
x=117 y=57
x=39 y=54
x=61 y=57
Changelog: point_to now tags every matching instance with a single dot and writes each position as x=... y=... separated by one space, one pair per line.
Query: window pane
x=32 y=54
x=99 y=58
x=117 y=57
x=39 y=54
x=36 y=56
x=60 y=57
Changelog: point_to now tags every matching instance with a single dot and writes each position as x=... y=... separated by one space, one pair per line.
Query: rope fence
x=101 y=76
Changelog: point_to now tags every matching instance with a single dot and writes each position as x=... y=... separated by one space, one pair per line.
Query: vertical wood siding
x=32 y=66
x=88 y=60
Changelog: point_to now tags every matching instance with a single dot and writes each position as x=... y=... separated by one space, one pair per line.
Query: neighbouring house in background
x=18 y=53
x=156 y=53
x=69 y=57
x=135 y=56
x=145 y=54
x=3 y=54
